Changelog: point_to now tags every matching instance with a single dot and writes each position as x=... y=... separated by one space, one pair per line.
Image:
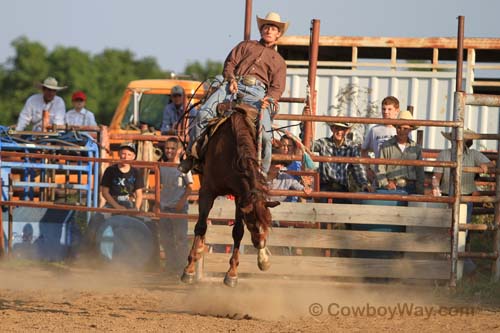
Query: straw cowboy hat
x=406 y=115
x=447 y=135
x=51 y=83
x=273 y=19
x=343 y=125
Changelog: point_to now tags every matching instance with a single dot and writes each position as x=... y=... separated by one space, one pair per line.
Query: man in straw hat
x=32 y=113
x=471 y=158
x=334 y=176
x=255 y=72
x=401 y=177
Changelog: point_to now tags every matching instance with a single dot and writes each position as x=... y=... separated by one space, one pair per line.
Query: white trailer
x=354 y=74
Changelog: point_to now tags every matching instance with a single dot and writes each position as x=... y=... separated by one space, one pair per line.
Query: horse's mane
x=246 y=162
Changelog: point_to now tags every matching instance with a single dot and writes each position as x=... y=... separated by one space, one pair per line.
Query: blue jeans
x=250 y=95
x=173 y=239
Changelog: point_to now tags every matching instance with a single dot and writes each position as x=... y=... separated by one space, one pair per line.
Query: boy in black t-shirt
x=122 y=184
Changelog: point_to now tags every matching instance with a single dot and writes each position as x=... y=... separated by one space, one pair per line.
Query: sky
x=178 y=32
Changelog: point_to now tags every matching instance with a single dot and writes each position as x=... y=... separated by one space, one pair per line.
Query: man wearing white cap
x=255 y=72
x=32 y=113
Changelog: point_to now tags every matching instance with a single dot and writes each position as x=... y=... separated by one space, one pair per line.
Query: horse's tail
x=246 y=162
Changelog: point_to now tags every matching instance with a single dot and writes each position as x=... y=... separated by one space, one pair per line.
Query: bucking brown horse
x=230 y=167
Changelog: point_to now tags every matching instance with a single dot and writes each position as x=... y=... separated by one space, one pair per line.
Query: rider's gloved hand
x=233 y=86
x=266 y=101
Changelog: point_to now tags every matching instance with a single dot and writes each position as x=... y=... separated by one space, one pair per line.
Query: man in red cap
x=79 y=115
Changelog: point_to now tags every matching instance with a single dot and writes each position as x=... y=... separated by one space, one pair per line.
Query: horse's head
x=257 y=216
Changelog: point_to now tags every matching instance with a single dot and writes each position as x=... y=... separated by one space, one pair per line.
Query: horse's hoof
x=263 y=261
x=263 y=265
x=230 y=281
x=188 y=278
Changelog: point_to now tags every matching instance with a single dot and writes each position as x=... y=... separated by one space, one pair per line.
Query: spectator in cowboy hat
x=401 y=177
x=32 y=112
x=334 y=176
x=79 y=115
x=471 y=158
x=256 y=72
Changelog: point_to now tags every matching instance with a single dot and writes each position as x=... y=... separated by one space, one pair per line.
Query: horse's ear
x=271 y=204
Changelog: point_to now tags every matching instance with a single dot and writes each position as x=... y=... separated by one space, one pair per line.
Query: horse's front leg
x=231 y=277
x=263 y=261
x=200 y=229
x=259 y=237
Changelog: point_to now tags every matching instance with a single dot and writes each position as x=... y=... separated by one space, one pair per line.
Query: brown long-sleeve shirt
x=265 y=63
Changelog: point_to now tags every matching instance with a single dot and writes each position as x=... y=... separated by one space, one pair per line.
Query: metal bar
x=33 y=133
x=377 y=65
x=96 y=178
x=480 y=136
x=157 y=207
x=479 y=170
x=367 y=160
x=2 y=242
x=47 y=166
x=248 y=20
x=477 y=198
x=292 y=100
x=476 y=227
x=10 y=218
x=88 y=159
x=139 y=137
x=399 y=42
x=460 y=54
x=38 y=204
x=283 y=157
x=495 y=267
x=456 y=176
x=313 y=69
x=5 y=146
x=50 y=185
x=479 y=255
x=482 y=99
x=311 y=106
x=363 y=196
x=360 y=120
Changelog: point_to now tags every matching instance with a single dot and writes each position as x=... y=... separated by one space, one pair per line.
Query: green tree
x=75 y=69
x=22 y=73
x=103 y=77
x=202 y=72
x=115 y=69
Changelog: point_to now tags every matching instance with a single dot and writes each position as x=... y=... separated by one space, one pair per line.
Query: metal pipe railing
x=362 y=120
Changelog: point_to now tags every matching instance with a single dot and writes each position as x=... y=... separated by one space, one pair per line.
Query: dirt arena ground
x=51 y=298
